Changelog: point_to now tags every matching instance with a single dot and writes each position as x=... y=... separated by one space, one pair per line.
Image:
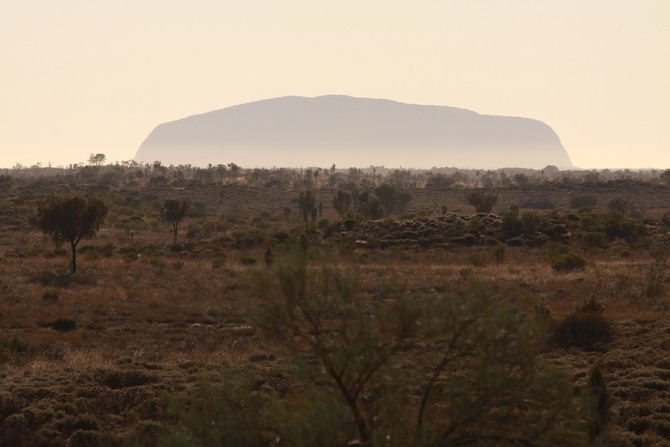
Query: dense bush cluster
x=585 y=327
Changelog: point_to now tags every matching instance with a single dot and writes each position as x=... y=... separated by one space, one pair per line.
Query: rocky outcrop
x=297 y=131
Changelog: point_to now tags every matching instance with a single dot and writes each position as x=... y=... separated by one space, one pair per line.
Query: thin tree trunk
x=74 y=258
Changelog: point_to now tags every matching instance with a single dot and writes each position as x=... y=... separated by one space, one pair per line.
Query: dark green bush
x=482 y=200
x=618 y=227
x=594 y=239
x=64 y=324
x=248 y=238
x=129 y=254
x=512 y=226
x=349 y=224
x=584 y=328
x=564 y=262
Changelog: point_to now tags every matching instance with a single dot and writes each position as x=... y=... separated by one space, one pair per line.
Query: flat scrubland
x=432 y=325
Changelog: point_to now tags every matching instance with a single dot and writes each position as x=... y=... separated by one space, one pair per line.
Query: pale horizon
x=98 y=78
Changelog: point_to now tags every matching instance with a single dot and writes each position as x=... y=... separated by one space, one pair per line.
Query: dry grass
x=151 y=326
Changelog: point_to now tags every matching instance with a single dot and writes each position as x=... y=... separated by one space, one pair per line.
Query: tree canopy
x=174 y=211
x=70 y=219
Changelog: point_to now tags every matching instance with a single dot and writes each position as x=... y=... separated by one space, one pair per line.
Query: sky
x=96 y=76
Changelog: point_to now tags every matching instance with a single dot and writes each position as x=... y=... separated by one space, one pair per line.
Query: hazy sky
x=84 y=76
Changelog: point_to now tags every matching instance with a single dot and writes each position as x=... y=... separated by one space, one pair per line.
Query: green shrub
x=178 y=247
x=512 y=225
x=248 y=238
x=591 y=305
x=618 y=227
x=211 y=416
x=532 y=221
x=349 y=224
x=564 y=262
x=157 y=261
x=475 y=362
x=625 y=253
x=95 y=252
x=618 y=205
x=129 y=254
x=594 y=239
x=482 y=200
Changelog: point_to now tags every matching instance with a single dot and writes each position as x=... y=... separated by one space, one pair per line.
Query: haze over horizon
x=94 y=77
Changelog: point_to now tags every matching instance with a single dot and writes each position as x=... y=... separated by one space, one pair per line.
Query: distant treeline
x=130 y=173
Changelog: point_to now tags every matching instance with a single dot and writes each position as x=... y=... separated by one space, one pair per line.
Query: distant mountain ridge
x=295 y=131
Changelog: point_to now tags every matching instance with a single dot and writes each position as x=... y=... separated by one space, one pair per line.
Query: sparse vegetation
x=153 y=339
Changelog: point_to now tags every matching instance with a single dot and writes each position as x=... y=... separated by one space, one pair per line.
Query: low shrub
x=569 y=261
x=118 y=379
x=248 y=260
x=157 y=261
x=50 y=296
x=248 y=238
x=129 y=254
x=218 y=261
x=583 y=201
x=482 y=200
x=584 y=328
x=594 y=239
x=97 y=252
x=349 y=224
x=64 y=325
x=539 y=203
x=46 y=278
x=5 y=355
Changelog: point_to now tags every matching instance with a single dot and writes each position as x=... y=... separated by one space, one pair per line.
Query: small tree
x=482 y=201
x=342 y=203
x=476 y=376
x=618 y=205
x=96 y=159
x=392 y=200
x=307 y=205
x=174 y=211
x=71 y=219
